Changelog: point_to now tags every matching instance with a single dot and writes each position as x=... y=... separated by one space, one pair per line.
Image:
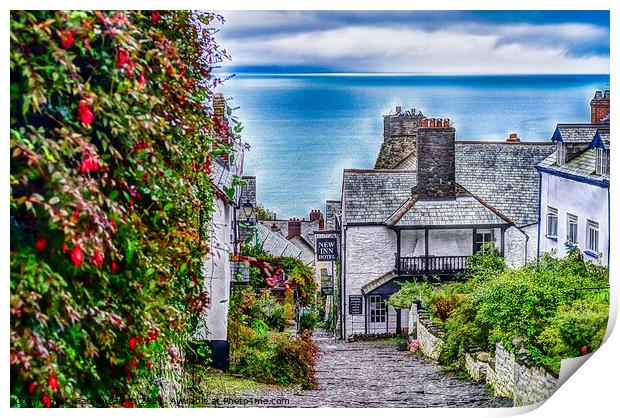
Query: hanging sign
x=326 y=246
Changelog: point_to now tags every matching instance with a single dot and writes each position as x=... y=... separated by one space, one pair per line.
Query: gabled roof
x=277 y=245
x=577 y=132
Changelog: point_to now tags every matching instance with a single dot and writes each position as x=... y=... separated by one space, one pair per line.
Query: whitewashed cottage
x=574 y=193
x=222 y=233
x=432 y=205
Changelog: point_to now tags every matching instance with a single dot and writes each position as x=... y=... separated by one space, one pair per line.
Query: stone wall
x=436 y=163
x=509 y=374
x=512 y=375
x=429 y=335
x=399 y=137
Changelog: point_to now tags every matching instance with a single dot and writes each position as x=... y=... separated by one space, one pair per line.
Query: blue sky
x=499 y=42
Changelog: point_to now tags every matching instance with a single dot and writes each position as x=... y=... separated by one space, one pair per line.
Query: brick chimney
x=513 y=138
x=219 y=112
x=599 y=106
x=316 y=215
x=294 y=228
x=436 y=154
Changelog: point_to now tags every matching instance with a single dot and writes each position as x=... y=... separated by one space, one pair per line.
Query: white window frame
x=484 y=233
x=560 y=153
x=572 y=220
x=602 y=161
x=552 y=213
x=592 y=236
x=377 y=309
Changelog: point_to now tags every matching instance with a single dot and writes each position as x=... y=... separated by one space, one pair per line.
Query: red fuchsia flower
x=584 y=350
x=132 y=343
x=98 y=258
x=129 y=403
x=47 y=401
x=153 y=334
x=142 y=79
x=133 y=363
x=155 y=15
x=66 y=39
x=130 y=67
x=149 y=364
x=114 y=267
x=89 y=163
x=76 y=214
x=270 y=281
x=77 y=256
x=40 y=243
x=32 y=387
x=123 y=57
x=85 y=115
x=52 y=381
x=207 y=167
x=64 y=247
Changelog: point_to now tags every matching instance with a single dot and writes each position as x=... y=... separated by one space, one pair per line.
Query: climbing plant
x=112 y=140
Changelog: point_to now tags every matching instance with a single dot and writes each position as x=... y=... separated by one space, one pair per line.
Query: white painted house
x=574 y=191
x=222 y=233
x=433 y=207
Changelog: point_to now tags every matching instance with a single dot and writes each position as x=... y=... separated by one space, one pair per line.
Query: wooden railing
x=449 y=264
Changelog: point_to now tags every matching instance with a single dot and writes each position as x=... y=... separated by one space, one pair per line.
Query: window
x=378 y=310
x=552 y=222
x=602 y=161
x=571 y=228
x=483 y=236
x=592 y=236
x=560 y=154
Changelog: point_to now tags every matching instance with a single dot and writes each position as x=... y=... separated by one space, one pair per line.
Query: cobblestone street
x=376 y=374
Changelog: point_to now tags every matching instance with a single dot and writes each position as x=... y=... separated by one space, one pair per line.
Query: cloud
x=301 y=39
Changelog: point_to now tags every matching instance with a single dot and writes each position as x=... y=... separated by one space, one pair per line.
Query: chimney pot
x=432 y=123
x=446 y=123
x=398 y=109
x=439 y=123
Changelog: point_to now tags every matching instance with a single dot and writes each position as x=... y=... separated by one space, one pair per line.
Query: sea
x=304 y=129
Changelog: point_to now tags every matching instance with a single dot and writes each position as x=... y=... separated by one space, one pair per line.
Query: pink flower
x=584 y=350
x=123 y=57
x=98 y=259
x=142 y=79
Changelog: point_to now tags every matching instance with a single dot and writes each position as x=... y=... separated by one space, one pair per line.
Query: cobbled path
x=376 y=374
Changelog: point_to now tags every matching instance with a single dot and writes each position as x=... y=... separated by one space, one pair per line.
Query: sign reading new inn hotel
x=326 y=246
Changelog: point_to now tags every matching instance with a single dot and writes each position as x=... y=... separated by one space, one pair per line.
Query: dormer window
x=602 y=161
x=560 y=154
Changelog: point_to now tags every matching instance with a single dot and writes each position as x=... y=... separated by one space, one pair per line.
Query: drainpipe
x=539 y=209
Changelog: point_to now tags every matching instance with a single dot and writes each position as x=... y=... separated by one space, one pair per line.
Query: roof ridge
x=376 y=170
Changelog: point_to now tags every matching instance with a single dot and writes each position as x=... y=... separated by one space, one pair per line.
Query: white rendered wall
x=369 y=255
x=217 y=273
x=586 y=201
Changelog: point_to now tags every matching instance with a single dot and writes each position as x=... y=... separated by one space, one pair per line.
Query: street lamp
x=248 y=209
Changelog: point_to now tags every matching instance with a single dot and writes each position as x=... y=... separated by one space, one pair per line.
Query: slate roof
x=577 y=132
x=461 y=211
x=503 y=175
x=583 y=165
x=277 y=245
x=371 y=196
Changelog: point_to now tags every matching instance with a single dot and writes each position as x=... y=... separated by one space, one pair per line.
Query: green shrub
x=308 y=319
x=112 y=138
x=536 y=303
x=577 y=326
